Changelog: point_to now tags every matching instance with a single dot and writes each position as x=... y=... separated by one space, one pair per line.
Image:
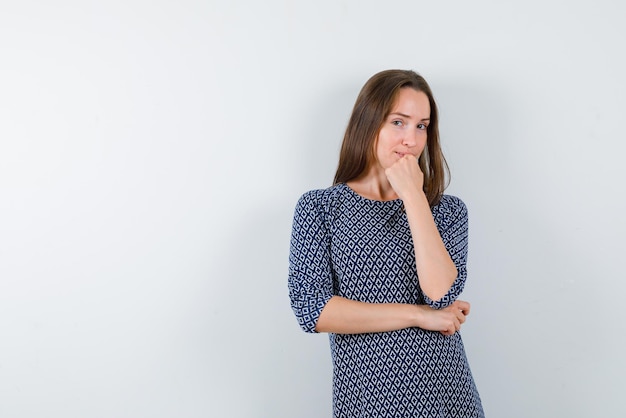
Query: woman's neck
x=373 y=185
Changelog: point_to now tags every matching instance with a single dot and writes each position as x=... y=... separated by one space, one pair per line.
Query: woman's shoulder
x=317 y=203
x=450 y=204
x=448 y=200
x=321 y=196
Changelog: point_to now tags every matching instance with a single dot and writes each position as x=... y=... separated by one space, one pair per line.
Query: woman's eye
x=397 y=122
x=422 y=126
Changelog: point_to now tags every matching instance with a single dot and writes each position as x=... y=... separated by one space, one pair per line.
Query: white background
x=152 y=152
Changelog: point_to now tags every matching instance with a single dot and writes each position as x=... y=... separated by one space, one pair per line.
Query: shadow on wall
x=476 y=135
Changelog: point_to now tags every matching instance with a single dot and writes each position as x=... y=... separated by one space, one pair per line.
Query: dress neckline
x=365 y=199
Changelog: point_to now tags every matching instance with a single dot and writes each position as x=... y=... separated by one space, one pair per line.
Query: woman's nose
x=410 y=138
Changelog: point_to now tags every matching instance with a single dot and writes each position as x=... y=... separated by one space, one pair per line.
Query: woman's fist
x=405 y=176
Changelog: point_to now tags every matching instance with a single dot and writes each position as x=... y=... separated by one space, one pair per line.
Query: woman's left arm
x=436 y=270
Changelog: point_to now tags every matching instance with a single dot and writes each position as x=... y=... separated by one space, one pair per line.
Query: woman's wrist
x=417 y=318
x=417 y=198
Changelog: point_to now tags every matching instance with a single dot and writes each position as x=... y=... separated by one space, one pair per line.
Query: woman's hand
x=405 y=176
x=447 y=320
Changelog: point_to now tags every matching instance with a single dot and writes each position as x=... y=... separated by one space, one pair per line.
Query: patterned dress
x=344 y=244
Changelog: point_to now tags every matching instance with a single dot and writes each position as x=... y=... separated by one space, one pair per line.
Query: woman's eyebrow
x=408 y=117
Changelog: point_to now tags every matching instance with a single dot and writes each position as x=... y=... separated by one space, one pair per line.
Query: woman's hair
x=372 y=106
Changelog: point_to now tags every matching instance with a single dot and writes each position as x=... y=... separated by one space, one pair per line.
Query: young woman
x=379 y=259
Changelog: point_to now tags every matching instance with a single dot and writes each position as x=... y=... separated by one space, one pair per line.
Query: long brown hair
x=372 y=106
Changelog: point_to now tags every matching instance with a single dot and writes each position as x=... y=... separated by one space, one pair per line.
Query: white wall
x=151 y=154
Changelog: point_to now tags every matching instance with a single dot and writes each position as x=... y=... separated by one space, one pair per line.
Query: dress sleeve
x=452 y=222
x=310 y=272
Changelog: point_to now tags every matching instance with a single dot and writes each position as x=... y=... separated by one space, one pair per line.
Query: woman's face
x=404 y=130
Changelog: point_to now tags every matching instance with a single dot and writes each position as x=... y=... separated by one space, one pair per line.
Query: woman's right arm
x=345 y=316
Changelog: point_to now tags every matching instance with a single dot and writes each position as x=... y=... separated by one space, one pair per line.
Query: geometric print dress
x=344 y=244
